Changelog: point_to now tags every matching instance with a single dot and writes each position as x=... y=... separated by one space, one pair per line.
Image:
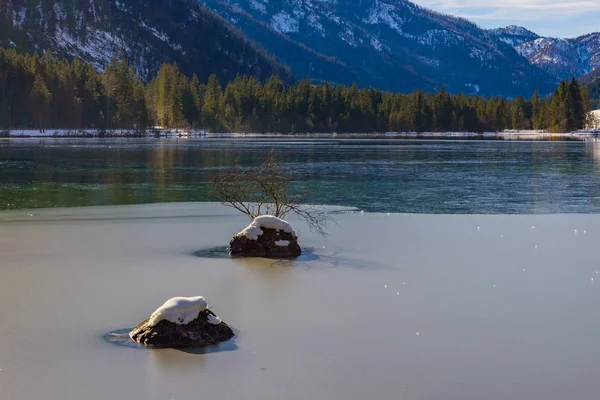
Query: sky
x=556 y=18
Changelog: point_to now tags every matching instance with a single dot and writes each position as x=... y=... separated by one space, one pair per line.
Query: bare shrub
x=268 y=190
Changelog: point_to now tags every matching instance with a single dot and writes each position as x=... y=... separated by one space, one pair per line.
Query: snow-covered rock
x=179 y=310
x=254 y=230
x=182 y=322
x=267 y=236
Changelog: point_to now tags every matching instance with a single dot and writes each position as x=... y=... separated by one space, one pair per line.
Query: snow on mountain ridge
x=390 y=44
x=564 y=58
x=518 y=30
x=514 y=35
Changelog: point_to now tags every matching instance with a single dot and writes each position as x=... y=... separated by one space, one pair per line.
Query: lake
x=386 y=175
x=408 y=307
x=410 y=300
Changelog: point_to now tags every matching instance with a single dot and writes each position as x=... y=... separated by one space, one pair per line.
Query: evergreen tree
x=40 y=99
x=518 y=113
x=535 y=102
x=211 y=107
x=45 y=93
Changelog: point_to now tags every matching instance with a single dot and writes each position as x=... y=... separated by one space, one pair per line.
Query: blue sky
x=557 y=18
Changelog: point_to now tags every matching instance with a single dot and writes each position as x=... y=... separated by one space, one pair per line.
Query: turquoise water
x=379 y=175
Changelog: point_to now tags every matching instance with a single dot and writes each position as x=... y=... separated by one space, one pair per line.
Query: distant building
x=595 y=120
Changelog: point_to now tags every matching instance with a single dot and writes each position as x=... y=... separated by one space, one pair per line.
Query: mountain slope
x=147 y=32
x=514 y=35
x=592 y=81
x=564 y=58
x=389 y=44
x=306 y=60
x=561 y=58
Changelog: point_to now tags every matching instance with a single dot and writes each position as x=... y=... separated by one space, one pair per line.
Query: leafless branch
x=268 y=189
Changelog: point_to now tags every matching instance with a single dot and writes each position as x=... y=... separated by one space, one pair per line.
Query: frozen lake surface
x=393 y=306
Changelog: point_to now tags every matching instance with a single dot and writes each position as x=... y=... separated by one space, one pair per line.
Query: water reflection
x=372 y=175
x=325 y=257
x=593 y=151
x=222 y=252
x=121 y=338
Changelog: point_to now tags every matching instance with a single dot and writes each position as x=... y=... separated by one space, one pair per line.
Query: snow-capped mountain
x=564 y=58
x=514 y=35
x=389 y=44
x=147 y=32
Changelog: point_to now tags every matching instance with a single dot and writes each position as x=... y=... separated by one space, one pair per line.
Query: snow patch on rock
x=440 y=37
x=473 y=86
x=384 y=13
x=179 y=310
x=284 y=23
x=376 y=44
x=159 y=35
x=258 y=6
x=347 y=36
x=214 y=320
x=98 y=49
x=429 y=61
x=314 y=23
x=19 y=17
x=480 y=54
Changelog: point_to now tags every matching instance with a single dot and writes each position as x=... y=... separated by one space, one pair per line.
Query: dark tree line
x=44 y=93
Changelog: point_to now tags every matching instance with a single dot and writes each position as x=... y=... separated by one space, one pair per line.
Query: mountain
x=561 y=58
x=564 y=58
x=147 y=32
x=390 y=44
x=514 y=35
x=592 y=81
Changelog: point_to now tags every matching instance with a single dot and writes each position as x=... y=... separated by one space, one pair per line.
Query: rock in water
x=266 y=236
x=182 y=322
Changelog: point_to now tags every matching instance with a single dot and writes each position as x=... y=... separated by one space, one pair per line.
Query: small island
x=182 y=322
x=267 y=236
x=267 y=195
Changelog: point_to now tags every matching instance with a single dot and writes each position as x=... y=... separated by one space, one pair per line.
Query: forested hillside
x=46 y=93
x=146 y=32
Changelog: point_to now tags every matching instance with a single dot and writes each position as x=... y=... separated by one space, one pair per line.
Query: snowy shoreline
x=584 y=135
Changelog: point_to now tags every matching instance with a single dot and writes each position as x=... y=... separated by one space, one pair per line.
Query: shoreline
x=186 y=209
x=197 y=209
x=586 y=135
